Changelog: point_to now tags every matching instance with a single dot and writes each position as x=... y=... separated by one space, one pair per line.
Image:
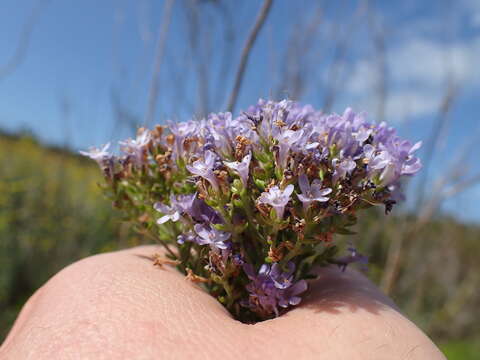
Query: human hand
x=119 y=306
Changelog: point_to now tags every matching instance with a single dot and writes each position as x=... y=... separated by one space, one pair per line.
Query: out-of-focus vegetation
x=461 y=350
x=52 y=213
x=437 y=281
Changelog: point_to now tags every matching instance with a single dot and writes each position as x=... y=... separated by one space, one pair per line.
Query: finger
x=345 y=316
x=119 y=306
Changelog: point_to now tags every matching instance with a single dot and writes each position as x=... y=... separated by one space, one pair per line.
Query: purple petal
x=299 y=287
x=163 y=219
x=303 y=183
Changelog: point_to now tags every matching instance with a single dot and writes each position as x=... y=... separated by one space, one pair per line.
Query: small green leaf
x=260 y=184
x=344 y=231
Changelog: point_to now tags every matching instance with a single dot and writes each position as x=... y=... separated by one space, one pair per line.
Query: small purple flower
x=182 y=131
x=179 y=205
x=273 y=287
x=263 y=293
x=281 y=279
x=170 y=213
x=411 y=164
x=353 y=257
x=241 y=167
x=183 y=238
x=291 y=295
x=391 y=160
x=362 y=134
x=137 y=148
x=238 y=259
x=98 y=154
x=203 y=213
x=183 y=203
x=343 y=168
x=277 y=198
x=376 y=160
x=286 y=140
x=204 y=168
x=313 y=192
x=221 y=128
x=352 y=155
x=211 y=236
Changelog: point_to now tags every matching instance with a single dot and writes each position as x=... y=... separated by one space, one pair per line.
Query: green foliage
x=461 y=350
x=51 y=214
x=438 y=270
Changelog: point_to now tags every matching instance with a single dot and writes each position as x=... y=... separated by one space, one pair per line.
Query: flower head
x=137 y=148
x=211 y=236
x=286 y=139
x=272 y=287
x=183 y=203
x=169 y=213
x=205 y=167
x=277 y=198
x=98 y=154
x=241 y=167
x=353 y=257
x=313 y=192
x=338 y=164
x=202 y=213
x=179 y=205
x=183 y=238
x=343 y=168
x=391 y=160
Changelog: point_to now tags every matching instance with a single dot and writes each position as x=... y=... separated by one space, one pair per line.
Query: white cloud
x=405 y=103
x=418 y=71
x=428 y=63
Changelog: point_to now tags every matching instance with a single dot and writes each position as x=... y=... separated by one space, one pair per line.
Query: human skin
x=119 y=306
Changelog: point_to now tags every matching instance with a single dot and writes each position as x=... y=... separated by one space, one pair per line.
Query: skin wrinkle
x=411 y=351
x=131 y=309
x=103 y=308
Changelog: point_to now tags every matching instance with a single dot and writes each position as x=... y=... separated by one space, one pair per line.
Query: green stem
x=147 y=233
x=294 y=252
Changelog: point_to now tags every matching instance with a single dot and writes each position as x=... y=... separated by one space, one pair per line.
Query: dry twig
x=162 y=38
x=262 y=15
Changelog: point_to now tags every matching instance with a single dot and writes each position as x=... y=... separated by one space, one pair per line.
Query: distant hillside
x=51 y=213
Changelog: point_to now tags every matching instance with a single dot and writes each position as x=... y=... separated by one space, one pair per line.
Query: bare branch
x=378 y=35
x=21 y=50
x=124 y=117
x=340 y=53
x=228 y=46
x=444 y=109
x=262 y=15
x=162 y=37
x=199 y=60
x=462 y=186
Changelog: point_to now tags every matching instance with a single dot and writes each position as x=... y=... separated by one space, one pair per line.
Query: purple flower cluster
x=348 y=141
x=265 y=190
x=272 y=288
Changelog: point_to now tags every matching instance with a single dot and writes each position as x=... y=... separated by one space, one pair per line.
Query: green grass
x=51 y=214
x=461 y=350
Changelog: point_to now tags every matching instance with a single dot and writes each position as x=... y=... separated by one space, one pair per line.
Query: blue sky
x=84 y=54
